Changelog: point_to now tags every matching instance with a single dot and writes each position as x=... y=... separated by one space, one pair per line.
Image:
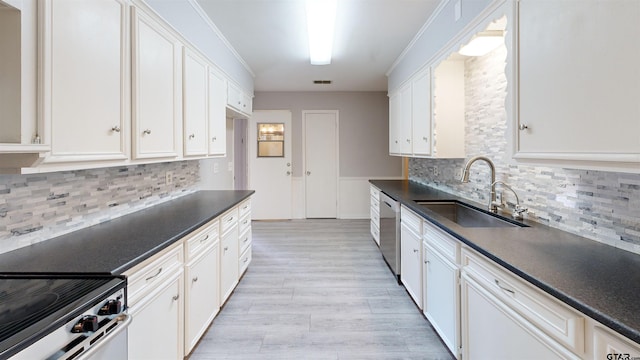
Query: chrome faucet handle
x=518 y=211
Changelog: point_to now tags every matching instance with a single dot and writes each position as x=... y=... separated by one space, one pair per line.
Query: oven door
x=108 y=343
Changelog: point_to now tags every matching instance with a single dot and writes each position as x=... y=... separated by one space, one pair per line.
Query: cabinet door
x=86 y=79
x=156 y=331
x=201 y=296
x=156 y=88
x=394 y=124
x=441 y=296
x=579 y=80
x=490 y=330
x=411 y=263
x=195 y=99
x=228 y=263
x=405 y=120
x=421 y=111
x=217 y=114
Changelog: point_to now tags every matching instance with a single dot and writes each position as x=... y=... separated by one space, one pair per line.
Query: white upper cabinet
x=239 y=101
x=156 y=88
x=579 y=83
x=421 y=112
x=195 y=101
x=426 y=114
x=217 y=114
x=394 y=124
x=85 y=80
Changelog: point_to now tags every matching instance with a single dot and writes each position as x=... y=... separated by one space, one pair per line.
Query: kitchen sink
x=467 y=216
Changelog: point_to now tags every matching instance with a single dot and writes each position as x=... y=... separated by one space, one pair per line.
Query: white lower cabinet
x=492 y=330
x=156 y=304
x=503 y=317
x=606 y=344
x=174 y=296
x=411 y=254
x=374 y=212
x=441 y=296
x=202 y=298
x=228 y=262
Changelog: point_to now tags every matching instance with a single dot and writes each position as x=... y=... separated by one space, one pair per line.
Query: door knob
x=523 y=127
x=308 y=173
x=288 y=173
x=288 y=164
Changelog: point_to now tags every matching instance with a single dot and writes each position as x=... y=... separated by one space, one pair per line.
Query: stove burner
x=18 y=308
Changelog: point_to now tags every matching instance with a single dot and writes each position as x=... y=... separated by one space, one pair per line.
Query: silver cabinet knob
x=288 y=164
x=192 y=136
x=523 y=127
x=408 y=140
x=195 y=279
x=308 y=173
x=425 y=138
x=147 y=131
x=214 y=139
x=176 y=297
x=288 y=173
x=115 y=128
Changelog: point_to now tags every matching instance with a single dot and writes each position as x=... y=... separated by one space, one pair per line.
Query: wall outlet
x=230 y=166
x=458 y=174
x=168 y=177
x=435 y=171
x=216 y=168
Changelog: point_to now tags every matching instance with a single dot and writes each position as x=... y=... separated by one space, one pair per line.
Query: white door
x=270 y=173
x=321 y=163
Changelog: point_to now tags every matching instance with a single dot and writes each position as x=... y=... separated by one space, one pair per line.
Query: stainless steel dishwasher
x=390 y=233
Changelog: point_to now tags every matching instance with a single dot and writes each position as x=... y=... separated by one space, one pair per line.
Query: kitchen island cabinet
x=572 y=70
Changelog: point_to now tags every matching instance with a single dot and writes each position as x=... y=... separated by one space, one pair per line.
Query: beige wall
x=364 y=128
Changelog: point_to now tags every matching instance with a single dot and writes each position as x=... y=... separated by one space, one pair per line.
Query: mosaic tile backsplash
x=38 y=207
x=602 y=206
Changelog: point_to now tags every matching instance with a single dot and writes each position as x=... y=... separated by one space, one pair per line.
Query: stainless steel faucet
x=465 y=179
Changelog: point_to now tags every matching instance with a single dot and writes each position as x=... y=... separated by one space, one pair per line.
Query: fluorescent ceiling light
x=321 y=21
x=483 y=43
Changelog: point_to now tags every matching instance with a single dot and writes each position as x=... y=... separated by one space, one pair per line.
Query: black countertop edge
x=403 y=191
x=113 y=247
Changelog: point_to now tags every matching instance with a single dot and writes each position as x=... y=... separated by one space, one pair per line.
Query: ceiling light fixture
x=321 y=20
x=483 y=43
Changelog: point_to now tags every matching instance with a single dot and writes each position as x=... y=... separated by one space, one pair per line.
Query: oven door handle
x=78 y=352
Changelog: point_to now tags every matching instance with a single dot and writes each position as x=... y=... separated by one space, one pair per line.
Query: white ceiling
x=271 y=37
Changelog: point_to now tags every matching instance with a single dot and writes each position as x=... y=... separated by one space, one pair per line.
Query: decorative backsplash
x=603 y=206
x=38 y=207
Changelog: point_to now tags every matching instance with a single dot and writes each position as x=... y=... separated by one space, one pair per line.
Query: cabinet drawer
x=375 y=216
x=374 y=191
x=441 y=241
x=228 y=220
x=244 y=223
x=375 y=203
x=244 y=261
x=545 y=312
x=411 y=220
x=202 y=239
x=375 y=232
x=142 y=281
x=245 y=240
x=244 y=207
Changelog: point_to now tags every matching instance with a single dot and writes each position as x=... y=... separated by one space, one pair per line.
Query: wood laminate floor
x=318 y=289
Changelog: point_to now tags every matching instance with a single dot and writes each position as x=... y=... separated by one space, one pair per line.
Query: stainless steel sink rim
x=466 y=215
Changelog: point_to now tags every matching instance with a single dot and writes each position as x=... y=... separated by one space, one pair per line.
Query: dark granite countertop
x=599 y=280
x=114 y=246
